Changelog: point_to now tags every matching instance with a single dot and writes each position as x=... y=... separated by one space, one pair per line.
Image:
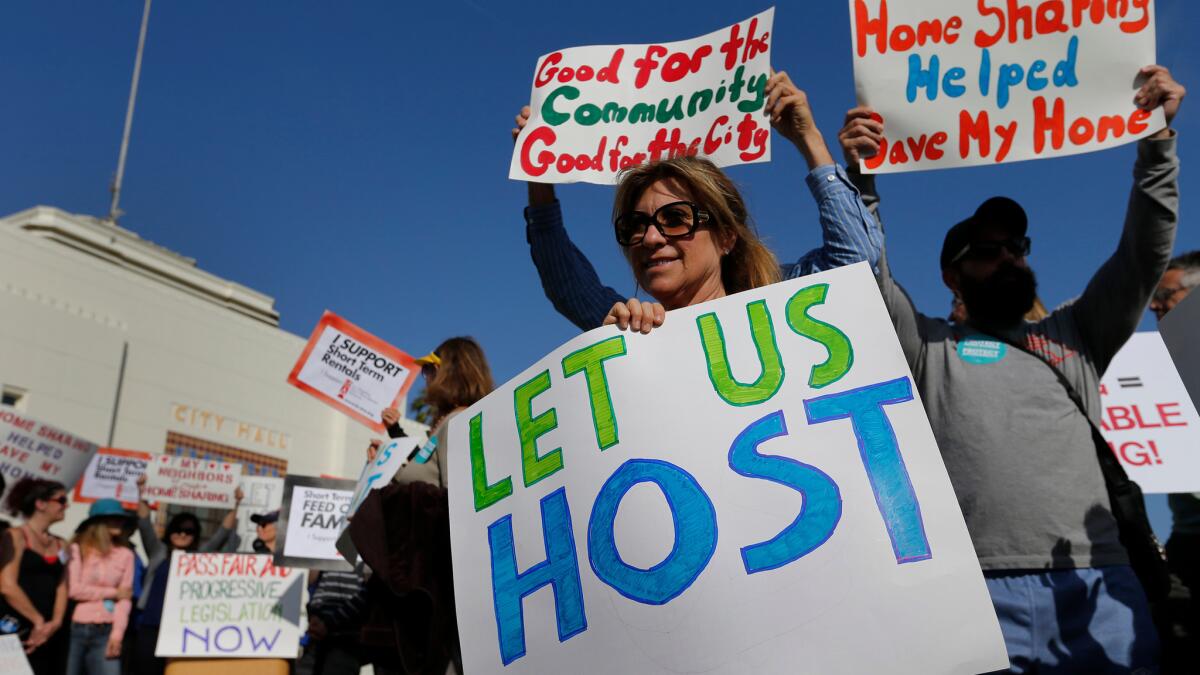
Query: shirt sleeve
x=121 y=612
x=78 y=588
x=1112 y=304
x=569 y=280
x=215 y=542
x=849 y=232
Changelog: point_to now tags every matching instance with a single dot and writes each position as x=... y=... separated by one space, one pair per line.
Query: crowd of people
x=1017 y=432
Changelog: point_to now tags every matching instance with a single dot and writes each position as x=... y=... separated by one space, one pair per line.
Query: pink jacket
x=93 y=581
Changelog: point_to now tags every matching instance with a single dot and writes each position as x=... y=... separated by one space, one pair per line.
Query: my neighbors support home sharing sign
x=599 y=109
x=965 y=83
x=754 y=486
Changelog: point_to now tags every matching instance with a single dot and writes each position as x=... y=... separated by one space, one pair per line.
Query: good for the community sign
x=353 y=371
x=599 y=109
x=754 y=486
x=1148 y=419
x=965 y=83
x=230 y=604
x=29 y=447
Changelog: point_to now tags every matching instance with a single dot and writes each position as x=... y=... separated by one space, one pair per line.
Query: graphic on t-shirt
x=980 y=350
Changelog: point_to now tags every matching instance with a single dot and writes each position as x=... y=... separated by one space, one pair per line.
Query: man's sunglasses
x=984 y=251
x=677 y=219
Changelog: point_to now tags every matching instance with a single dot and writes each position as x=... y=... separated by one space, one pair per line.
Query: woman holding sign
x=684 y=228
x=32 y=584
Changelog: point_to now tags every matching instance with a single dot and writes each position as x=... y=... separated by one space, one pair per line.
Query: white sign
x=1148 y=420
x=753 y=487
x=32 y=448
x=260 y=494
x=12 y=656
x=353 y=371
x=230 y=605
x=112 y=474
x=173 y=479
x=597 y=110
x=314 y=514
x=964 y=83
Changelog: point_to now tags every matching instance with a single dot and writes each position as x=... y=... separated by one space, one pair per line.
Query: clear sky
x=354 y=156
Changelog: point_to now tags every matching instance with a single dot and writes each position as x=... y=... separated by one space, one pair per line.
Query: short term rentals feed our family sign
x=961 y=83
x=599 y=109
x=753 y=487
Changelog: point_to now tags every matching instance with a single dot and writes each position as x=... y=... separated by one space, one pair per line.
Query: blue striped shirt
x=849 y=235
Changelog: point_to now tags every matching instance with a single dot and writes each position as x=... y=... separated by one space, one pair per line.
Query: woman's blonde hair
x=462 y=378
x=95 y=538
x=750 y=263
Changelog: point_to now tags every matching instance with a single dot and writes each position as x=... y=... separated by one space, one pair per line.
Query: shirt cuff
x=827 y=180
x=1157 y=150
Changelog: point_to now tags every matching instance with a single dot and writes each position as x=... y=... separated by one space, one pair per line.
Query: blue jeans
x=88 y=641
x=1087 y=620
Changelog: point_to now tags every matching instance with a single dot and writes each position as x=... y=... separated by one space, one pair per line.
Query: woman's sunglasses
x=677 y=219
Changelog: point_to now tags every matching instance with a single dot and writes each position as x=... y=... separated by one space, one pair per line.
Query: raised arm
x=1112 y=304
x=569 y=280
x=150 y=540
x=860 y=137
x=848 y=232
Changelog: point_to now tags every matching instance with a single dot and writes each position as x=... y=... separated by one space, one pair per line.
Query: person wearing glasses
x=33 y=582
x=998 y=391
x=685 y=230
x=183 y=534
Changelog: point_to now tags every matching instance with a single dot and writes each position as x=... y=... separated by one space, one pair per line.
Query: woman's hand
x=124 y=594
x=38 y=636
x=112 y=650
x=238 y=496
x=373 y=449
x=792 y=116
x=1160 y=89
x=640 y=316
x=861 y=135
x=390 y=416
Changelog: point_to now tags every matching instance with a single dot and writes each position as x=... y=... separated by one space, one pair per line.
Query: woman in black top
x=33 y=585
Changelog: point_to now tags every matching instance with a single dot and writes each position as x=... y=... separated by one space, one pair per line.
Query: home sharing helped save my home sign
x=753 y=487
x=598 y=109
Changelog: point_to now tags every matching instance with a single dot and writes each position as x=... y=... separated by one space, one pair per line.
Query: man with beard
x=1019 y=451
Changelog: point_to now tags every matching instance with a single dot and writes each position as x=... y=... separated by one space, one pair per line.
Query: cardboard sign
x=1148 y=420
x=192 y=482
x=231 y=605
x=112 y=474
x=752 y=486
x=350 y=369
x=1181 y=332
x=260 y=494
x=967 y=83
x=597 y=110
x=32 y=448
x=313 y=515
x=12 y=656
x=376 y=474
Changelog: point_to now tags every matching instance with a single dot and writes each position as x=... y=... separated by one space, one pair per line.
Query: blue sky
x=354 y=156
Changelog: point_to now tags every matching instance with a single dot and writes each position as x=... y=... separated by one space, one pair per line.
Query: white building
x=130 y=345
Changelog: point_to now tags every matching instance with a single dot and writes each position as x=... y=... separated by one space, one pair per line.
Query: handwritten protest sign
x=260 y=494
x=112 y=474
x=599 y=109
x=967 y=83
x=32 y=448
x=377 y=473
x=1148 y=420
x=313 y=515
x=752 y=487
x=192 y=482
x=353 y=371
x=230 y=604
x=12 y=656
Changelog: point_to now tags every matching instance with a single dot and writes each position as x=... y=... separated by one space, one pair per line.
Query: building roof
x=114 y=244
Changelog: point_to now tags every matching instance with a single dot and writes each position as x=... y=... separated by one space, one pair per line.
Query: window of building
x=12 y=396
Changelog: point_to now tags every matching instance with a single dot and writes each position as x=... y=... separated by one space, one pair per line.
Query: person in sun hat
x=100 y=581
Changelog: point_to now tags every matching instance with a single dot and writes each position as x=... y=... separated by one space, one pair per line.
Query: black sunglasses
x=187 y=530
x=61 y=499
x=1019 y=247
x=677 y=219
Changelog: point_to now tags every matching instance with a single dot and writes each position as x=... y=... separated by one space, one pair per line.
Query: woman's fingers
x=636 y=315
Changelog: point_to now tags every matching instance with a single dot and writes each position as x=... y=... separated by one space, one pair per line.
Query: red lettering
x=647 y=64
x=1164 y=414
x=978 y=129
x=733 y=45
x=983 y=39
x=1137 y=415
x=679 y=65
x=1043 y=124
x=1119 y=419
x=1137 y=121
x=544 y=135
x=547 y=71
x=610 y=72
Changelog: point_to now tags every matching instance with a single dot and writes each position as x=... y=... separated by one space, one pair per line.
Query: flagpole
x=114 y=211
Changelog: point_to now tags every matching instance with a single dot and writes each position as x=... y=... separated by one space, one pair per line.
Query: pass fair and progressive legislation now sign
x=965 y=83
x=353 y=371
x=754 y=486
x=599 y=109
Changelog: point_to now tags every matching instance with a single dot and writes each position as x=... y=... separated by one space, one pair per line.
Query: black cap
x=265 y=518
x=1000 y=211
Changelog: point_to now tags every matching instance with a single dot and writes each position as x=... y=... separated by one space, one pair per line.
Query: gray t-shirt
x=1019 y=453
